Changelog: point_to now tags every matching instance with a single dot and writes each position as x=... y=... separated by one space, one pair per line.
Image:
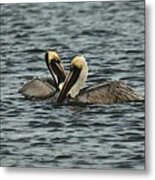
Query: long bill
x=68 y=84
x=57 y=69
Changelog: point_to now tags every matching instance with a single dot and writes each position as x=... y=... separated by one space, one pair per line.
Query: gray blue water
x=41 y=134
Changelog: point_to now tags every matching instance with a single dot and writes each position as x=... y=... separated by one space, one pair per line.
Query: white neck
x=61 y=85
x=80 y=81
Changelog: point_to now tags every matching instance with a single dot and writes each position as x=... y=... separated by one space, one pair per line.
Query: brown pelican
x=106 y=93
x=44 y=88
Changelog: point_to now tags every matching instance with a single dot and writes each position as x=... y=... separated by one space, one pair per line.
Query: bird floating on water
x=45 y=88
x=106 y=93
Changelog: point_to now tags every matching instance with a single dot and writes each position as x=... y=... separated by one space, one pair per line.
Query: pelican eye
x=58 y=61
x=52 y=61
x=72 y=68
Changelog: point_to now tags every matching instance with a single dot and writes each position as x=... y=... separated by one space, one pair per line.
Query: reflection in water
x=40 y=134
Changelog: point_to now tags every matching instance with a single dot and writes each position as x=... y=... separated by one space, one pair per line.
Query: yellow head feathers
x=52 y=55
x=78 y=61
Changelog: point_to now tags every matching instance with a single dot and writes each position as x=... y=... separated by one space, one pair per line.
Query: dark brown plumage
x=107 y=93
x=38 y=89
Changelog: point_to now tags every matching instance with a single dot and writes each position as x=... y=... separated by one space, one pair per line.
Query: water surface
x=41 y=134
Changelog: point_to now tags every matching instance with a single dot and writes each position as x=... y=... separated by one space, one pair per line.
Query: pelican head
x=55 y=67
x=75 y=79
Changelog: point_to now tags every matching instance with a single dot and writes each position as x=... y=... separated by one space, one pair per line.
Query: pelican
x=106 y=93
x=44 y=88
